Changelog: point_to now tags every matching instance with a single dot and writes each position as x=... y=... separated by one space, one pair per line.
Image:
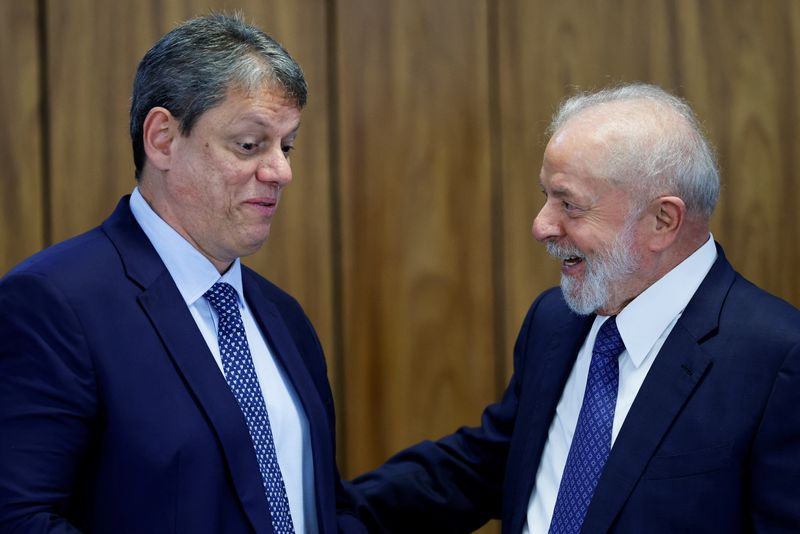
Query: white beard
x=612 y=265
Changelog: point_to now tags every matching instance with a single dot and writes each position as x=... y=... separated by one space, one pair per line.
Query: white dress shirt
x=644 y=325
x=194 y=274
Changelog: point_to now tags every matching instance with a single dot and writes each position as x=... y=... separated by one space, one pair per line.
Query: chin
x=583 y=298
x=250 y=247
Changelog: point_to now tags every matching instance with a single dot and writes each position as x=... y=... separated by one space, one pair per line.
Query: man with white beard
x=655 y=391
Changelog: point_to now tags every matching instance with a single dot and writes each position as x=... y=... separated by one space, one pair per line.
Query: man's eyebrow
x=293 y=133
x=260 y=122
x=558 y=191
x=255 y=119
x=561 y=191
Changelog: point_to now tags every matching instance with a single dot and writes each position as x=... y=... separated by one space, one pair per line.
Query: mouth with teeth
x=571 y=258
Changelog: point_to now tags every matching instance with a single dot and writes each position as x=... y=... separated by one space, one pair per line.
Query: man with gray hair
x=148 y=381
x=655 y=391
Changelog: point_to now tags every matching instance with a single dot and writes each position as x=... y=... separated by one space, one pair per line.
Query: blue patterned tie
x=240 y=373
x=591 y=442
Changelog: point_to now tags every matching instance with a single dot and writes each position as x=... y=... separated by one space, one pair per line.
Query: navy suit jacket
x=711 y=442
x=114 y=416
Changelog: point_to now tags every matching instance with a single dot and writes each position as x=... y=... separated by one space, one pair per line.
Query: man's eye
x=286 y=149
x=569 y=206
x=248 y=147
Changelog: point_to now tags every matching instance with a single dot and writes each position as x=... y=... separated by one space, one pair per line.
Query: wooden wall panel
x=21 y=179
x=415 y=208
x=420 y=113
x=91 y=57
x=94 y=50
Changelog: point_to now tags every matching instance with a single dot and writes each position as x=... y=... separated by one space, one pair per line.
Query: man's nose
x=275 y=168
x=546 y=225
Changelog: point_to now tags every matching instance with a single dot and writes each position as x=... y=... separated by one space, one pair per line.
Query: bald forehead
x=609 y=122
x=603 y=141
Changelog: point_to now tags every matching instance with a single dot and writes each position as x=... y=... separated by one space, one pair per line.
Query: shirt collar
x=192 y=272
x=642 y=322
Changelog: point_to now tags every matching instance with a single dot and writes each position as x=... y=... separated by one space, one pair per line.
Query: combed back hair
x=193 y=67
x=659 y=148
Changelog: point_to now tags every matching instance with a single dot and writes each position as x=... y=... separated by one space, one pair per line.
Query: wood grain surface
x=21 y=152
x=406 y=232
x=415 y=204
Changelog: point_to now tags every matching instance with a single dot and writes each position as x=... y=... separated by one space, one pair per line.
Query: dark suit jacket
x=114 y=416
x=711 y=443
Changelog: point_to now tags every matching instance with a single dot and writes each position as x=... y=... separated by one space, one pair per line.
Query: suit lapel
x=185 y=346
x=669 y=383
x=286 y=352
x=676 y=372
x=537 y=407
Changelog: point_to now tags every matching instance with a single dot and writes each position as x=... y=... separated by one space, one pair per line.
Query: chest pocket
x=690 y=463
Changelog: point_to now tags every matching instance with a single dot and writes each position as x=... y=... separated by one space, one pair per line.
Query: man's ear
x=670 y=214
x=160 y=129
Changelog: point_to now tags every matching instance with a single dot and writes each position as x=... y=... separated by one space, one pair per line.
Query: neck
x=152 y=193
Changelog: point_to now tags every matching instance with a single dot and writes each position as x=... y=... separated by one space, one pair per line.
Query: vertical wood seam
x=45 y=132
x=496 y=204
x=334 y=190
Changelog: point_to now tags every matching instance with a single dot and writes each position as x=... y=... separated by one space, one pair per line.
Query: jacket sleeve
x=47 y=405
x=450 y=485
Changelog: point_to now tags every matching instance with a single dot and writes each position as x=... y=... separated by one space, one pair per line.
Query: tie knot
x=222 y=296
x=608 y=342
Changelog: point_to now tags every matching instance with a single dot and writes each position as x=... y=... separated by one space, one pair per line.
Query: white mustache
x=563 y=252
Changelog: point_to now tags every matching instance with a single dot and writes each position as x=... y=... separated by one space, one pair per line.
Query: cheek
x=213 y=181
x=227 y=170
x=582 y=234
x=590 y=233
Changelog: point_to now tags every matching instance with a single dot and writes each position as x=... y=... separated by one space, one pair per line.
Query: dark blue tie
x=237 y=364
x=591 y=442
